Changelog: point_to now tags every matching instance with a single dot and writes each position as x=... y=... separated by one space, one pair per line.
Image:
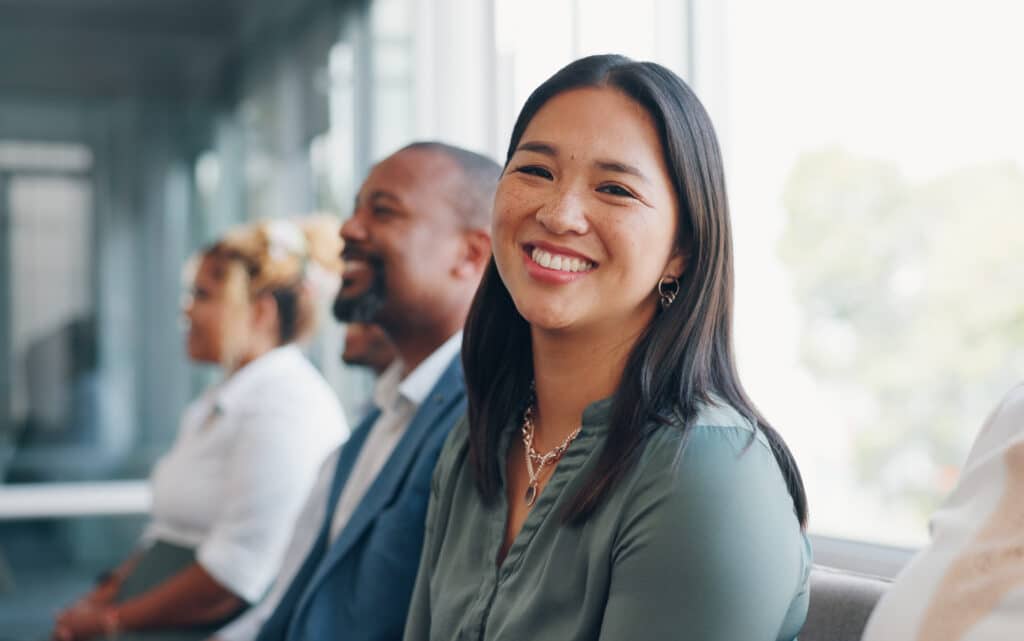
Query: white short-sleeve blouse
x=968 y=585
x=245 y=458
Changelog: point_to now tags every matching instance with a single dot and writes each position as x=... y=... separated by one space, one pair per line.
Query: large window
x=54 y=423
x=535 y=38
x=875 y=156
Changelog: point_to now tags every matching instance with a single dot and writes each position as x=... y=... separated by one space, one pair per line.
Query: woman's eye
x=616 y=190
x=534 y=170
x=382 y=212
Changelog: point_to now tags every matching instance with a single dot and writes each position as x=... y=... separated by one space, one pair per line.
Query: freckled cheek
x=511 y=209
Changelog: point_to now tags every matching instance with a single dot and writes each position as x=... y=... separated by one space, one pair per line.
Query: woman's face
x=214 y=315
x=585 y=216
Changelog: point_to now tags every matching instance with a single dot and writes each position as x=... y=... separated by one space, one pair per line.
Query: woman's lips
x=555 y=267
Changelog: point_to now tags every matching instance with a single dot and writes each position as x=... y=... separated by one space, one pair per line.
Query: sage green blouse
x=700 y=541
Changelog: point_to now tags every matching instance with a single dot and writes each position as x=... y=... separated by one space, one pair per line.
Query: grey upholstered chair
x=840 y=604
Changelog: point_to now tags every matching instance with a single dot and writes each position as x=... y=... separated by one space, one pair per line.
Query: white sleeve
x=307 y=527
x=269 y=472
x=1004 y=424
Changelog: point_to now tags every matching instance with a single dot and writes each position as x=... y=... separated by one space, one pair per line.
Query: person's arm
x=266 y=481
x=190 y=597
x=109 y=584
x=91 y=605
x=269 y=476
x=710 y=550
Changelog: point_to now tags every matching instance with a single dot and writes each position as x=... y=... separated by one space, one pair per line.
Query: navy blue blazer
x=358 y=588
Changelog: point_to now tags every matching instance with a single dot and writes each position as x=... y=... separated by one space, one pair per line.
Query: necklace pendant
x=531 y=495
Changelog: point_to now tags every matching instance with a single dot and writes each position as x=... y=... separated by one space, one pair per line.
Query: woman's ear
x=264 y=313
x=677 y=263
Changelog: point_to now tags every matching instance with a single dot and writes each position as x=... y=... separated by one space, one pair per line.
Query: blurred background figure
x=966 y=585
x=366 y=345
x=226 y=494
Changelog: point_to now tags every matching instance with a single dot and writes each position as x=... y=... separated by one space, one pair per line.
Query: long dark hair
x=683 y=358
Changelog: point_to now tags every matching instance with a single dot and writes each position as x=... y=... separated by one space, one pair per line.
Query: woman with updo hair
x=248 y=449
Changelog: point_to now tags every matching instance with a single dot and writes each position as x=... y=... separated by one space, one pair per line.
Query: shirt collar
x=391 y=389
x=385 y=391
x=234 y=389
x=417 y=385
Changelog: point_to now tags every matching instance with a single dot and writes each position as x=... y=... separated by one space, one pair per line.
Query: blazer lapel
x=447 y=391
x=347 y=460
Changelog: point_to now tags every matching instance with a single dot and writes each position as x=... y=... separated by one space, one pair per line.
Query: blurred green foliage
x=912 y=299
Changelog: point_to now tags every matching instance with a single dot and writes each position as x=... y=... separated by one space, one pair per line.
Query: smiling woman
x=613 y=480
x=598 y=198
x=220 y=522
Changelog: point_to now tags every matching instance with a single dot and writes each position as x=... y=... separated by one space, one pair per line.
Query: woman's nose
x=565 y=215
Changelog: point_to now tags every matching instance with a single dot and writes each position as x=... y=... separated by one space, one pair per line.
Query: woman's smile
x=553 y=264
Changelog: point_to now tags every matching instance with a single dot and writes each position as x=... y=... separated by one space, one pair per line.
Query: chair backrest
x=840 y=604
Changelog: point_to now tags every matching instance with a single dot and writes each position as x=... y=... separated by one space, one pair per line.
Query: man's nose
x=353 y=229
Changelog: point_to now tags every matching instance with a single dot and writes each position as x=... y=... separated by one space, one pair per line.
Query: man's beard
x=364 y=307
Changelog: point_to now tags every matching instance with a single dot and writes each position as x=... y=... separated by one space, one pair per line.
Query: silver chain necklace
x=535 y=461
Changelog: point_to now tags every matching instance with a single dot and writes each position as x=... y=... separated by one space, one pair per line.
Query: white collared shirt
x=244 y=459
x=968 y=584
x=397 y=399
x=406 y=396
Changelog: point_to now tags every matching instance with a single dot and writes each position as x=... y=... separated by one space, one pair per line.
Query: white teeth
x=560 y=263
x=354 y=266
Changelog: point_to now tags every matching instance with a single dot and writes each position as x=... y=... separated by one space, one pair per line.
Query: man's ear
x=476 y=251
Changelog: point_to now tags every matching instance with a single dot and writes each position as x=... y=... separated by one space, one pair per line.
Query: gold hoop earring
x=668 y=289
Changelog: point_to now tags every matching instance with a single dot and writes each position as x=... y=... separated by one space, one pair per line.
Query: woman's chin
x=552 y=320
x=201 y=356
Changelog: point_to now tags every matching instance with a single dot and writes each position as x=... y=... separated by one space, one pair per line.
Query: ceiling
x=162 y=48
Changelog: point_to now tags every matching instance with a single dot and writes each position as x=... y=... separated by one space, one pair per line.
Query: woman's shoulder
x=285 y=402
x=290 y=380
x=715 y=425
x=717 y=448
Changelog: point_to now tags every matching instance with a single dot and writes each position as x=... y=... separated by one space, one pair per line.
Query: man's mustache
x=364 y=306
x=355 y=252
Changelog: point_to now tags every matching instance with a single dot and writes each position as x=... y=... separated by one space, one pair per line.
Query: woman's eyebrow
x=539 y=147
x=621 y=168
x=616 y=166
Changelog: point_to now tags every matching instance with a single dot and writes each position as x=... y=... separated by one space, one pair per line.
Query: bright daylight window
x=535 y=38
x=875 y=157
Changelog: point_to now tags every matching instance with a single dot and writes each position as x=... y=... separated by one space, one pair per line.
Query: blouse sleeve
x=710 y=548
x=304 y=533
x=417 y=623
x=269 y=473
